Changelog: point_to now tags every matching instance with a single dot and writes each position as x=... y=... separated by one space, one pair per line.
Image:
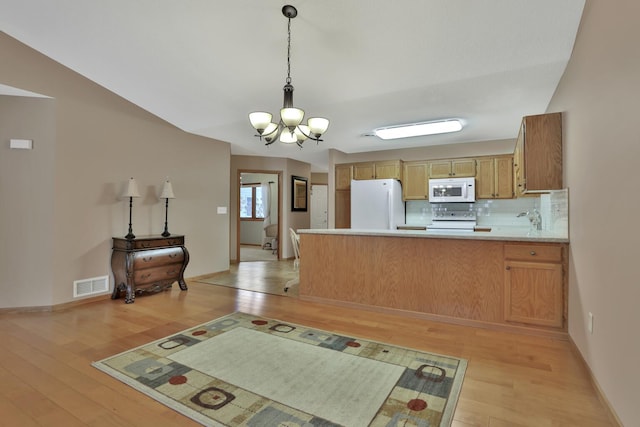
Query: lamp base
x=130 y=236
x=165 y=233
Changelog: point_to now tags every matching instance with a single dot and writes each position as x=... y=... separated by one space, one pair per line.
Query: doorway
x=318 y=206
x=258 y=221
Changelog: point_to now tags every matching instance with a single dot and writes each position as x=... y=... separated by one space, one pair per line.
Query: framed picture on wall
x=298 y=193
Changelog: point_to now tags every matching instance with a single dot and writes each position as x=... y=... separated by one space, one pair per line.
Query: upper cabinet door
x=364 y=170
x=343 y=177
x=459 y=168
x=539 y=149
x=494 y=178
x=503 y=177
x=415 y=184
x=389 y=170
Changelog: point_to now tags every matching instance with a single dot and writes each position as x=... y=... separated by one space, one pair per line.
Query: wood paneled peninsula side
x=502 y=279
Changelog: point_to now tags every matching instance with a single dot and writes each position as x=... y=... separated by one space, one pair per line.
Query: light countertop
x=497 y=233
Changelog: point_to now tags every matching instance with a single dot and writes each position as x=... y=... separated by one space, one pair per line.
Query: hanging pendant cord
x=289 y=51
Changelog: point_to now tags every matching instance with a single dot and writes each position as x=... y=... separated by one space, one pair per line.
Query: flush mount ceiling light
x=419 y=129
x=290 y=128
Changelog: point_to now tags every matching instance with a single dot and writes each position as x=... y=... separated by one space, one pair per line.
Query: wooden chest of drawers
x=147 y=264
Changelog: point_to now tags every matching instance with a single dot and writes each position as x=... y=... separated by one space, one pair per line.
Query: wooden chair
x=295 y=242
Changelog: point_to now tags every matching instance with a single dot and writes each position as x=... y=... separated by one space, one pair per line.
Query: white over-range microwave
x=452 y=190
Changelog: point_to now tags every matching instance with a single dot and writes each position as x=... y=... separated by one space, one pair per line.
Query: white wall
x=600 y=97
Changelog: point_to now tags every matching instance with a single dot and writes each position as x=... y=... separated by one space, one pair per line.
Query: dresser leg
x=130 y=297
x=183 y=284
x=116 y=290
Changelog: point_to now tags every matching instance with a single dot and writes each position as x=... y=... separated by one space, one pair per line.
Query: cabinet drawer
x=158 y=274
x=155 y=243
x=147 y=243
x=533 y=253
x=156 y=257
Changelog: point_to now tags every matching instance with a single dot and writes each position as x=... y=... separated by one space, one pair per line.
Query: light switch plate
x=222 y=210
x=24 y=144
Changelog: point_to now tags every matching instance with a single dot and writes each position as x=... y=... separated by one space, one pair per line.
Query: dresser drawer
x=147 y=243
x=533 y=253
x=157 y=274
x=156 y=257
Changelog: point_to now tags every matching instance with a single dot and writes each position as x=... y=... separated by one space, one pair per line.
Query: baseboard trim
x=613 y=417
x=559 y=335
x=55 y=307
x=83 y=301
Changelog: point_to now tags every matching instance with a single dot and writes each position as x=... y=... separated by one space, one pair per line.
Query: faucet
x=534 y=218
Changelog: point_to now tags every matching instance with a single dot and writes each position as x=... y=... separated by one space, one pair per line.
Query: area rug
x=269 y=277
x=252 y=371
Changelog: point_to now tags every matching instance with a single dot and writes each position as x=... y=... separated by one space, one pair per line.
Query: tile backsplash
x=553 y=207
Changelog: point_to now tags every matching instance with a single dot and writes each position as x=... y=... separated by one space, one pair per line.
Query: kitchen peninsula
x=506 y=278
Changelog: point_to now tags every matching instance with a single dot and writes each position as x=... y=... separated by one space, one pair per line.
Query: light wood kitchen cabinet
x=458 y=168
x=365 y=170
x=344 y=174
x=534 y=284
x=415 y=183
x=494 y=178
x=388 y=169
x=538 y=154
x=343 y=209
x=391 y=169
x=509 y=285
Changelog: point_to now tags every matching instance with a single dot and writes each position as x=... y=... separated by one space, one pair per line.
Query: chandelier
x=289 y=129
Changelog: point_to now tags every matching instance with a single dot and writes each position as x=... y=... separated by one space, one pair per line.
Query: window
x=251 y=207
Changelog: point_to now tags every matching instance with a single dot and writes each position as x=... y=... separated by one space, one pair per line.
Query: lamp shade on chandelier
x=289 y=129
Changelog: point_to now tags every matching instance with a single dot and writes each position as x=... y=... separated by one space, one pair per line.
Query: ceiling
x=204 y=65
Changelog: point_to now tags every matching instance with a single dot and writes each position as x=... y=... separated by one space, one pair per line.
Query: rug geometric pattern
x=424 y=393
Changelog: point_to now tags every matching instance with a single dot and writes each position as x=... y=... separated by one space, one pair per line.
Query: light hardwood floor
x=46 y=378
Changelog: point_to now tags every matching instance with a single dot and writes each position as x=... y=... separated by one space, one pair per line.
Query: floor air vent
x=93 y=286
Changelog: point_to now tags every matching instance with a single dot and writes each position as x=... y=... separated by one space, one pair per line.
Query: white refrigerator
x=376 y=204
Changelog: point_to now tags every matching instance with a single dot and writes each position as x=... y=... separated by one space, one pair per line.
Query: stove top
x=454 y=216
x=458 y=220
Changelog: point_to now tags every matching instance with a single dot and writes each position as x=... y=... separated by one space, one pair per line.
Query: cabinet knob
x=508 y=268
x=532 y=253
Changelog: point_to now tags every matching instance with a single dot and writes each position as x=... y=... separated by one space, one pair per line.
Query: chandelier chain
x=289 y=51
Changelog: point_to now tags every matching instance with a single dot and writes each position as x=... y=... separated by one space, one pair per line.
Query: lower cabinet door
x=533 y=293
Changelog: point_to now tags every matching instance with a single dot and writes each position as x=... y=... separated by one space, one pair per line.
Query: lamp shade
x=260 y=120
x=288 y=137
x=167 y=191
x=318 y=125
x=301 y=132
x=132 y=189
x=291 y=117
